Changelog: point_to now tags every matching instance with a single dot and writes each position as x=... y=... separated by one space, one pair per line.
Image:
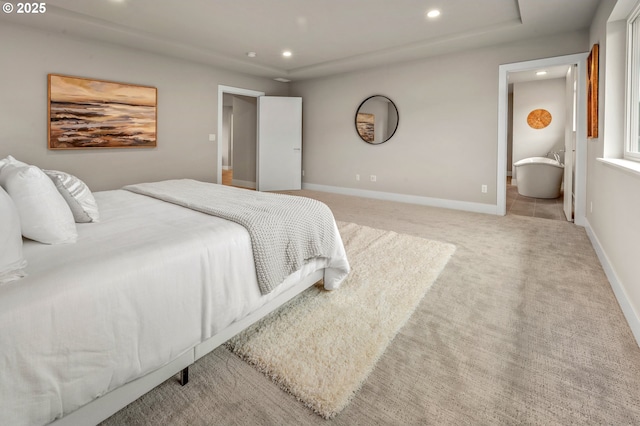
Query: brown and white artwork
x=592 y=92
x=86 y=113
x=365 y=125
x=539 y=118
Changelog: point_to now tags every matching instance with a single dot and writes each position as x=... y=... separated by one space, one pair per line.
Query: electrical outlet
x=373 y=178
x=591 y=207
x=484 y=189
x=357 y=177
x=303 y=173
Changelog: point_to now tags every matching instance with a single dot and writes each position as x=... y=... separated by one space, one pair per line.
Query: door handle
x=296 y=149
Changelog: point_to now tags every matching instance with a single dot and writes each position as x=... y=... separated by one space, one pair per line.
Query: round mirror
x=376 y=119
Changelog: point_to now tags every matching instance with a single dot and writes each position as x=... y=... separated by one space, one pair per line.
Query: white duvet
x=139 y=288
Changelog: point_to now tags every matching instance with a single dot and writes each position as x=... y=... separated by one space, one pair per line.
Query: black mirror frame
x=356 y=119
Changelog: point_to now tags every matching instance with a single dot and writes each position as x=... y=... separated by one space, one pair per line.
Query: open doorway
x=270 y=129
x=238 y=141
x=541 y=129
x=274 y=125
x=237 y=110
x=510 y=72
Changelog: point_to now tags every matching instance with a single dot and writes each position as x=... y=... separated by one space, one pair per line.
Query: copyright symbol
x=7 y=8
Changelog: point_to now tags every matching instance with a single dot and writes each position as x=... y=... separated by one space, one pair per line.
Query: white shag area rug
x=321 y=346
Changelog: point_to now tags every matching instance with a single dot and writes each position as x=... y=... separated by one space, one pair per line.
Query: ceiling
x=325 y=36
x=559 y=71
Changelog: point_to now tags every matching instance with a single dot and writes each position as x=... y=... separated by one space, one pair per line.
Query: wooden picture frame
x=87 y=113
x=592 y=92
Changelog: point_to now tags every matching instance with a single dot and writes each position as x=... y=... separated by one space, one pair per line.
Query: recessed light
x=433 y=13
x=282 y=80
x=252 y=54
x=539 y=73
x=287 y=53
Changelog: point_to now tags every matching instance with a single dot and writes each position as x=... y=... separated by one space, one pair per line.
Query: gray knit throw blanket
x=286 y=231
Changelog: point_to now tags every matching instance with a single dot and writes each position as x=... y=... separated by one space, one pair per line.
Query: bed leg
x=184 y=376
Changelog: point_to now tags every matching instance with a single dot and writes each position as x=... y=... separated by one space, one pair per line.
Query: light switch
x=212 y=137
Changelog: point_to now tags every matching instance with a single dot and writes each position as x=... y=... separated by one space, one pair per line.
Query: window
x=632 y=144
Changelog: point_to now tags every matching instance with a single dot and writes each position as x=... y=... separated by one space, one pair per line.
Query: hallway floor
x=227 y=179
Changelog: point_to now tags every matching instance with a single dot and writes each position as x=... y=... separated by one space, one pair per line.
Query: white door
x=570 y=141
x=279 y=164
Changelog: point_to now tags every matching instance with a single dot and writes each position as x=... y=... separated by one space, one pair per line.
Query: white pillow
x=44 y=215
x=10 y=160
x=12 y=263
x=77 y=195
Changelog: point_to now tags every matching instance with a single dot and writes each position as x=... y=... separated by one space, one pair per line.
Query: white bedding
x=133 y=293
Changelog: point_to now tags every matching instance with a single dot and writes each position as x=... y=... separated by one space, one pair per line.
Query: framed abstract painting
x=87 y=113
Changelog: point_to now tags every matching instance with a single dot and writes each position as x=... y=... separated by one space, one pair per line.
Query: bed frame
x=108 y=404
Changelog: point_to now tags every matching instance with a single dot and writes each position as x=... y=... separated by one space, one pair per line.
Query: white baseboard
x=404 y=198
x=618 y=289
x=243 y=183
x=226 y=168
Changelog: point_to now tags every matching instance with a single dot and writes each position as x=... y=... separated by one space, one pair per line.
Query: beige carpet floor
x=521 y=328
x=322 y=345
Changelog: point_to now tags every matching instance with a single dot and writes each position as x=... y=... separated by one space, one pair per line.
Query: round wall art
x=539 y=118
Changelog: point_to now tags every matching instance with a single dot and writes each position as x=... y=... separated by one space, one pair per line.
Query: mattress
x=145 y=284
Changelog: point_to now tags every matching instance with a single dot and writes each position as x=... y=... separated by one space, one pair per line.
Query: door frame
x=570 y=131
x=232 y=91
x=580 y=60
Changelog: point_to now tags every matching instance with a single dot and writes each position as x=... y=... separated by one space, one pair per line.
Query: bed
x=142 y=294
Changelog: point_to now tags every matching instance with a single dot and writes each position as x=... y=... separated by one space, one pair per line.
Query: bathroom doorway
x=541 y=127
x=572 y=116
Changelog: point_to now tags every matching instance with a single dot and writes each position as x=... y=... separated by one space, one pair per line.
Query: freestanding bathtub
x=539 y=177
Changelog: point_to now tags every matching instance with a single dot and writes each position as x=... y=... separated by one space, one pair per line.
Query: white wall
x=528 y=96
x=187 y=107
x=445 y=147
x=614 y=193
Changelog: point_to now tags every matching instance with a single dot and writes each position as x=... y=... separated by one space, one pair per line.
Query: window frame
x=632 y=105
